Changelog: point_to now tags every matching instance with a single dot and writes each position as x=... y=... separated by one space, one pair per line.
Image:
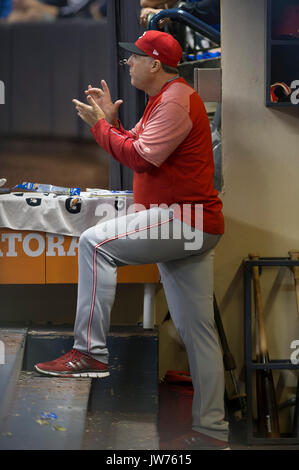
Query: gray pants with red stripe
x=185 y=261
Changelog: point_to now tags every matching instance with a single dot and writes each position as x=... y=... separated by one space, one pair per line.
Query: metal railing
x=189 y=20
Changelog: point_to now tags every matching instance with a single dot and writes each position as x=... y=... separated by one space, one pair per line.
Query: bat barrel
x=266 y=401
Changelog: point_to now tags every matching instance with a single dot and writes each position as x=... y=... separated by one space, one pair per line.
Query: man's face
x=140 y=67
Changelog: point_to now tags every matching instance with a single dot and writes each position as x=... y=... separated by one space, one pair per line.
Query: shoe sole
x=92 y=375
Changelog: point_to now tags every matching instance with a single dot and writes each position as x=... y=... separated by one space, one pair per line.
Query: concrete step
x=129 y=395
x=123 y=410
x=25 y=395
x=47 y=414
x=12 y=346
x=45 y=343
x=133 y=365
x=107 y=430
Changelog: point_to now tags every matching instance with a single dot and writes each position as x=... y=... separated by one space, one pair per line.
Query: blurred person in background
x=206 y=10
x=149 y=8
x=5 y=9
x=191 y=41
x=51 y=10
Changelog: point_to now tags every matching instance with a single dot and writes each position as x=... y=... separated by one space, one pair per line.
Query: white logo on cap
x=155 y=52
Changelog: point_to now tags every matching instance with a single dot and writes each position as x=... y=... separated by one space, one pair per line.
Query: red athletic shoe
x=74 y=364
x=196 y=441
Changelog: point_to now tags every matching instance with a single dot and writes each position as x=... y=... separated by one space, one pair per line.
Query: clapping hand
x=90 y=113
x=102 y=98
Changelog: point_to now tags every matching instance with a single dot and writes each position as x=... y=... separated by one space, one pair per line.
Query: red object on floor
x=178 y=377
x=175 y=407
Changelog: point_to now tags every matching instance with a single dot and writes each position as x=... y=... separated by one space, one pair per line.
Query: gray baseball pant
x=186 y=268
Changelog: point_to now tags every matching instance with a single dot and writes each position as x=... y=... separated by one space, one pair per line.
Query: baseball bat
x=266 y=401
x=294 y=255
x=230 y=365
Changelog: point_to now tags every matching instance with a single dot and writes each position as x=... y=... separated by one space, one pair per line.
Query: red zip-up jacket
x=170 y=151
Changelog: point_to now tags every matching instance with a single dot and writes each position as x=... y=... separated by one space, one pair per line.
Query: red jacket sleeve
x=120 y=145
x=124 y=131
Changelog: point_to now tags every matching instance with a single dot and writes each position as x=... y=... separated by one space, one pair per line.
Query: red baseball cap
x=158 y=45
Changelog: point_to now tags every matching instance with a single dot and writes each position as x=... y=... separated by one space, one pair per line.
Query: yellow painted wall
x=261 y=186
x=260 y=194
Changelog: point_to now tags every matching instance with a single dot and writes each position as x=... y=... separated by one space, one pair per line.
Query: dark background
x=44 y=66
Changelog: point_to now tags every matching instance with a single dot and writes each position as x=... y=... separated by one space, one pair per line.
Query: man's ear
x=156 y=65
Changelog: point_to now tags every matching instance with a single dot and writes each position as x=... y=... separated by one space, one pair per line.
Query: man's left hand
x=90 y=113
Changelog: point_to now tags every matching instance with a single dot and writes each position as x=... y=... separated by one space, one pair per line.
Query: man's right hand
x=102 y=98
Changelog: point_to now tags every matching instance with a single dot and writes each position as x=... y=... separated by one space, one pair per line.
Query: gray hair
x=169 y=69
x=166 y=68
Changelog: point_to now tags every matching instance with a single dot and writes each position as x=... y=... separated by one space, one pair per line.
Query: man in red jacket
x=177 y=223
